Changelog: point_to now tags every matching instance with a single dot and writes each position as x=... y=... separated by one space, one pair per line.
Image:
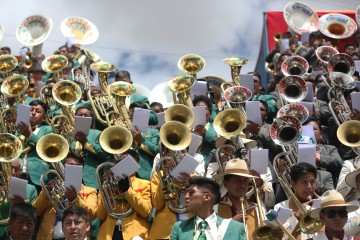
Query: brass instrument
x=181 y=113
x=277 y=37
x=292 y=89
x=271 y=68
x=53 y=148
x=7 y=64
x=295 y=65
x=308 y=225
x=115 y=139
x=235 y=96
x=301 y=17
x=8 y=120
x=191 y=64
x=85 y=31
x=47 y=97
x=15 y=86
x=235 y=65
x=341 y=62
x=55 y=64
x=348 y=134
x=10 y=149
x=175 y=136
x=337 y=26
x=110 y=193
x=324 y=54
x=243 y=211
x=181 y=86
x=28 y=63
x=296 y=110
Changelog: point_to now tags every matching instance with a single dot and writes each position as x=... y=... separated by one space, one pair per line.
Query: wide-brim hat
x=332 y=198
x=350 y=178
x=235 y=167
x=248 y=143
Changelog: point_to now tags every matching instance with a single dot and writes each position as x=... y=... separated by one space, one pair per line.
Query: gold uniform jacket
x=87 y=199
x=137 y=223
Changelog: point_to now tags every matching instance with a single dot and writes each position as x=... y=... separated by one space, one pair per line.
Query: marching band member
x=22 y=222
x=50 y=227
x=37 y=129
x=236 y=179
x=90 y=148
x=146 y=144
x=352 y=226
x=203 y=194
x=303 y=178
x=137 y=195
x=333 y=212
x=75 y=223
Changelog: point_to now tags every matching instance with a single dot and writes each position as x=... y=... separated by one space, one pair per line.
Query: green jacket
x=147 y=152
x=5 y=207
x=36 y=166
x=93 y=155
x=271 y=101
x=208 y=142
x=185 y=230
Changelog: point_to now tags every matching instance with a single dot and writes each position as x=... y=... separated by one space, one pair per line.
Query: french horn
x=337 y=26
x=33 y=31
x=85 y=31
x=301 y=17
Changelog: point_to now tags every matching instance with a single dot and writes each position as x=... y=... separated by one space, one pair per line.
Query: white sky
x=147 y=37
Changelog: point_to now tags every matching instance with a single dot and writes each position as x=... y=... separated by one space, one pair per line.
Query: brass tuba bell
x=295 y=65
x=52 y=148
x=7 y=64
x=180 y=113
x=115 y=139
x=341 y=62
x=337 y=26
x=292 y=89
x=229 y=122
x=235 y=65
x=191 y=64
x=55 y=64
x=85 y=31
x=182 y=85
x=301 y=17
x=175 y=135
x=325 y=53
x=348 y=133
x=285 y=130
x=15 y=86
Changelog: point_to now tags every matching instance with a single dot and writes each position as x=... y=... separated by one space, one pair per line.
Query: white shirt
x=351 y=227
x=211 y=231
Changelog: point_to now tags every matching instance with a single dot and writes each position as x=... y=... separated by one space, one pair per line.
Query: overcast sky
x=147 y=37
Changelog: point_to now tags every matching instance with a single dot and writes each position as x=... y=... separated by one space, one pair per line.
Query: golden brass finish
x=181 y=113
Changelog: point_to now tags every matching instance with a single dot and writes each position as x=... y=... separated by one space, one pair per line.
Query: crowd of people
x=223 y=198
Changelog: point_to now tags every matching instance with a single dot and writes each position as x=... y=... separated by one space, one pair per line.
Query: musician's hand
x=24 y=129
x=283 y=165
x=184 y=178
x=71 y=193
x=259 y=182
x=107 y=175
x=239 y=217
x=200 y=130
x=124 y=184
x=81 y=138
x=298 y=213
x=252 y=127
x=278 y=234
x=50 y=184
x=317 y=159
x=339 y=108
x=17 y=199
x=138 y=139
x=355 y=115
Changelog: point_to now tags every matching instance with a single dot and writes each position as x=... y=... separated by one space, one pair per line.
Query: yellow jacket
x=137 y=223
x=164 y=218
x=87 y=199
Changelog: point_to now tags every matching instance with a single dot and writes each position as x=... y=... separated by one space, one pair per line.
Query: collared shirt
x=211 y=231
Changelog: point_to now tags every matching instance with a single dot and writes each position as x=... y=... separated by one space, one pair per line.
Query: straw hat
x=332 y=198
x=235 y=167
x=350 y=178
x=248 y=143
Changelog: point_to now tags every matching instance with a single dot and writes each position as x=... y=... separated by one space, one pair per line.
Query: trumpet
x=175 y=136
x=53 y=148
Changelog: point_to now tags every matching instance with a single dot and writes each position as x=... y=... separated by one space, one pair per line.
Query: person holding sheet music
x=137 y=195
x=50 y=227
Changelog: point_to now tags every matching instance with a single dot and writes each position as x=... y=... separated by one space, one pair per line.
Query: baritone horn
x=7 y=64
x=181 y=86
x=180 y=113
x=15 y=86
x=348 y=134
x=235 y=66
x=191 y=64
x=55 y=64
x=295 y=65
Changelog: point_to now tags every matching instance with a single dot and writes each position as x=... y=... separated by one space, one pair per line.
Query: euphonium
x=235 y=96
x=341 y=62
x=295 y=65
x=115 y=139
x=10 y=149
x=7 y=64
x=324 y=54
x=348 y=134
x=55 y=64
x=175 y=136
x=181 y=113
x=181 y=86
x=8 y=120
x=47 y=97
x=15 y=86
x=53 y=148
x=292 y=89
x=235 y=65
x=191 y=64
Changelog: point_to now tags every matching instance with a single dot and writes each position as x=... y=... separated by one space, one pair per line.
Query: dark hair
x=205 y=99
x=255 y=74
x=23 y=210
x=123 y=73
x=299 y=169
x=312 y=119
x=315 y=35
x=153 y=104
x=349 y=45
x=41 y=103
x=63 y=46
x=265 y=104
x=208 y=183
x=7 y=49
x=75 y=210
x=72 y=154
x=356 y=73
x=138 y=105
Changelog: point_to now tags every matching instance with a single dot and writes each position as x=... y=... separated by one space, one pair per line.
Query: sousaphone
x=301 y=17
x=33 y=32
x=337 y=26
x=85 y=31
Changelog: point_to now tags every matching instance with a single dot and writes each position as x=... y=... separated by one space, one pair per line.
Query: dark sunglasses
x=332 y=213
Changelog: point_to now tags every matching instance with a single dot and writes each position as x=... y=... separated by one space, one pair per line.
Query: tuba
x=301 y=17
x=295 y=110
x=235 y=66
x=181 y=86
x=34 y=31
x=55 y=64
x=236 y=95
x=85 y=31
x=175 y=136
x=292 y=89
x=15 y=86
x=295 y=65
x=180 y=113
x=337 y=26
x=10 y=149
x=53 y=148
x=324 y=54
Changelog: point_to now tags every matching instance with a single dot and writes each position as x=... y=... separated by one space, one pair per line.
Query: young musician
x=201 y=197
x=137 y=195
x=333 y=212
x=50 y=227
x=75 y=223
